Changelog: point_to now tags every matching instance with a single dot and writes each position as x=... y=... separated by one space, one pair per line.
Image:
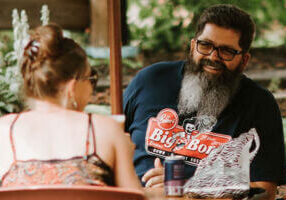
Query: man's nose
x=215 y=55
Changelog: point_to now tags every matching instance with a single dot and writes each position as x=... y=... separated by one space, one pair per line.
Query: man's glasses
x=93 y=78
x=224 y=53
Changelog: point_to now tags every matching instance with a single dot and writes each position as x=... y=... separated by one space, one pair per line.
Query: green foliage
x=9 y=101
x=9 y=76
x=167 y=25
x=274 y=84
x=284 y=130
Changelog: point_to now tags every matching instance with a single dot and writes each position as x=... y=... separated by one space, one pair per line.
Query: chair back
x=59 y=192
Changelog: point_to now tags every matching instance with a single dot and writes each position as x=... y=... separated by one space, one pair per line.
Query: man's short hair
x=230 y=17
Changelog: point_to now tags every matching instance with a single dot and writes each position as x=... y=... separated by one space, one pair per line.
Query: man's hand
x=270 y=187
x=154 y=177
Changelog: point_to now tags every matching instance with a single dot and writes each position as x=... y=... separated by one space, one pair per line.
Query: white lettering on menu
x=156 y=135
x=202 y=148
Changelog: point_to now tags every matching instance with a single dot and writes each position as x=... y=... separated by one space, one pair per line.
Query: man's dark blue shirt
x=157 y=87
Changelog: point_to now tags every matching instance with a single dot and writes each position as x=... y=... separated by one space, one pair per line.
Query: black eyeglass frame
x=218 y=49
x=93 y=78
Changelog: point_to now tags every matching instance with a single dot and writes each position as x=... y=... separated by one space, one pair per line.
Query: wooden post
x=99 y=23
x=115 y=56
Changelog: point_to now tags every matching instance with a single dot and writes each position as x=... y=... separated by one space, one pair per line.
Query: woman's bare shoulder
x=6 y=120
x=108 y=123
x=5 y=123
x=105 y=119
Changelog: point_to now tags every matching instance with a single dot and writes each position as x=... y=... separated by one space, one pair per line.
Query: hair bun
x=50 y=39
x=50 y=59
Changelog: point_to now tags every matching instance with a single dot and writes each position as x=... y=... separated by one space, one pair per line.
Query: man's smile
x=212 y=69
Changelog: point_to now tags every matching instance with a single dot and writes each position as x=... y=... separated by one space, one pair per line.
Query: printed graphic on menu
x=165 y=137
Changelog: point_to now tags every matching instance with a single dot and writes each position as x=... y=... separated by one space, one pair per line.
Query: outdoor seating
x=63 y=192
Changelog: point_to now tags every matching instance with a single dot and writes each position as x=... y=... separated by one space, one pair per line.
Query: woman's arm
x=125 y=175
x=6 y=154
x=116 y=149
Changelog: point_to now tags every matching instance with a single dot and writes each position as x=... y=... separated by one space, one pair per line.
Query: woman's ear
x=70 y=88
x=68 y=93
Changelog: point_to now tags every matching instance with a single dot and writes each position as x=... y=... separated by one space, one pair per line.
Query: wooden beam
x=115 y=56
x=99 y=23
x=70 y=14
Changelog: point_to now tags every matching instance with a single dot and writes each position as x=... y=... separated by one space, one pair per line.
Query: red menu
x=165 y=137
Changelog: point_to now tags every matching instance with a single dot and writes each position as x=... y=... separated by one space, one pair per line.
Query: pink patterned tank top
x=85 y=170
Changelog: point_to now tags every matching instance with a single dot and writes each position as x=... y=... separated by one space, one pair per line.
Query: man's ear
x=192 y=45
x=245 y=59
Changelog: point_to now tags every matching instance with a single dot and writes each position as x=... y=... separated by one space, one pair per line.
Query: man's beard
x=205 y=93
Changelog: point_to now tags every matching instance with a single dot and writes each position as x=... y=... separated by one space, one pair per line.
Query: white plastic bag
x=225 y=172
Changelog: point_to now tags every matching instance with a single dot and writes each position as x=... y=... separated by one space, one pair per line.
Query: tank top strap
x=11 y=136
x=90 y=129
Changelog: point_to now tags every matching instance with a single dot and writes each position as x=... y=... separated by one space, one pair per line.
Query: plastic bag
x=225 y=172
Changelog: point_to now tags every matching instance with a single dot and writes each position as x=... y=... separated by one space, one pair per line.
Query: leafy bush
x=10 y=80
x=167 y=25
x=11 y=51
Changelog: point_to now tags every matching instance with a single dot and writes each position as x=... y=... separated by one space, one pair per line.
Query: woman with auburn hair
x=54 y=142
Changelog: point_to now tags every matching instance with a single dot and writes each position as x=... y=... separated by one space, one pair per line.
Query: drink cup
x=174 y=167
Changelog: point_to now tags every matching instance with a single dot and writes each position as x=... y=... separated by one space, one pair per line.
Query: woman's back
x=51 y=148
x=55 y=139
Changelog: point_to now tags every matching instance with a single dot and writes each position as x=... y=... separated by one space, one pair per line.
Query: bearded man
x=210 y=83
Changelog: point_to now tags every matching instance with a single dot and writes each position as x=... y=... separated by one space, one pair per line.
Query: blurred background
x=152 y=31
